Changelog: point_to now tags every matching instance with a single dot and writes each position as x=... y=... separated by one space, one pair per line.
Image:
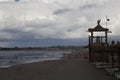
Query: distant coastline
x=52 y=48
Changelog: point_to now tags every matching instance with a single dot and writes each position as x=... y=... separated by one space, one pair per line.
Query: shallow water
x=10 y=58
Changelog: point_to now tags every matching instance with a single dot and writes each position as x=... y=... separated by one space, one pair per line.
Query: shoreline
x=8 y=59
x=29 y=62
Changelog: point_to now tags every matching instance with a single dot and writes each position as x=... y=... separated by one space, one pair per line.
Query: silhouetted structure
x=98 y=43
x=117 y=47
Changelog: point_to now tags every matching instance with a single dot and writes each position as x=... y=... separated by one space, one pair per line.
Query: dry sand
x=54 y=70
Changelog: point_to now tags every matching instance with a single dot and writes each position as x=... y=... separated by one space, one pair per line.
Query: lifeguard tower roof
x=98 y=28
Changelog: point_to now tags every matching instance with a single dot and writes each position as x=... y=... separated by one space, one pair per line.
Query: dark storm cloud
x=43 y=42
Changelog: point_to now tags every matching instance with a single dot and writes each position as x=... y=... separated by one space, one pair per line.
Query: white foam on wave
x=6 y=66
x=41 y=60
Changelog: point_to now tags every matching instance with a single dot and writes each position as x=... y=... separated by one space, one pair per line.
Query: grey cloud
x=59 y=19
x=18 y=34
x=88 y=6
x=61 y=11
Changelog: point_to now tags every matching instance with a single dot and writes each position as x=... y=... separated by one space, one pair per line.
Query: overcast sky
x=55 y=19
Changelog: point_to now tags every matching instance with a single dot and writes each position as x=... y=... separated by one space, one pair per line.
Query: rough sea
x=11 y=58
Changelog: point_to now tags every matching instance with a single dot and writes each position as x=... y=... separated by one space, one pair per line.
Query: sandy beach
x=64 y=69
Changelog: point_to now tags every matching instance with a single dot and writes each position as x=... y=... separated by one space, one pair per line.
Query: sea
x=11 y=58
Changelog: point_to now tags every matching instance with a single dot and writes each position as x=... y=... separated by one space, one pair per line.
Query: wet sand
x=64 y=69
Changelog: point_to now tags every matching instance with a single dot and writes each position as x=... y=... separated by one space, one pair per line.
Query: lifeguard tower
x=98 y=43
